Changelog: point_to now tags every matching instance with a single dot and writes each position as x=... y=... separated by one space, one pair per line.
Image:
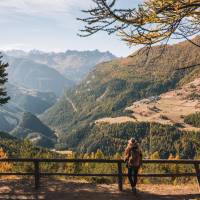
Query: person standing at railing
x=133 y=159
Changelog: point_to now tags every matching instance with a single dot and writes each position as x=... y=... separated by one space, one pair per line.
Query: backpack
x=135 y=159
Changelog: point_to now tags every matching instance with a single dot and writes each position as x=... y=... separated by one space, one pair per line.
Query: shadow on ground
x=53 y=189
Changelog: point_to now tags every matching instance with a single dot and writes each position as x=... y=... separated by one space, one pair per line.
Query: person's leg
x=135 y=175
x=130 y=171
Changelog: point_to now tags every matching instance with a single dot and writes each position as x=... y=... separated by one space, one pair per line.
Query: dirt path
x=52 y=189
x=71 y=102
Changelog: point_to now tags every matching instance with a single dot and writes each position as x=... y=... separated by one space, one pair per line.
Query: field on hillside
x=52 y=189
x=168 y=108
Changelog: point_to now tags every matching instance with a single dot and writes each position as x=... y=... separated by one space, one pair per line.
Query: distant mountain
x=15 y=53
x=29 y=74
x=35 y=76
x=23 y=100
x=30 y=100
x=31 y=128
x=74 y=65
x=113 y=86
x=9 y=117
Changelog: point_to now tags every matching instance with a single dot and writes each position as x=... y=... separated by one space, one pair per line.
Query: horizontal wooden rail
x=37 y=173
x=160 y=161
x=99 y=175
x=115 y=175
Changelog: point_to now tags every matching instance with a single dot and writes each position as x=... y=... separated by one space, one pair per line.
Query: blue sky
x=51 y=25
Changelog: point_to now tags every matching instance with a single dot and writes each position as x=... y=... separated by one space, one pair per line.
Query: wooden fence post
x=120 y=176
x=37 y=174
x=197 y=169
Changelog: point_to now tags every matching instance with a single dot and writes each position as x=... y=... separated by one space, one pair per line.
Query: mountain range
x=37 y=79
x=73 y=65
x=108 y=103
x=32 y=75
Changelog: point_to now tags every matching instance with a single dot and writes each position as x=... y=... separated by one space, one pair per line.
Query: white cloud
x=39 y=7
x=12 y=46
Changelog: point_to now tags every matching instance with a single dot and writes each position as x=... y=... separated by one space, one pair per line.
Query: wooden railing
x=119 y=163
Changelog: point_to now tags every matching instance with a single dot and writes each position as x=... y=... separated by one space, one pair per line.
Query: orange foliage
x=4 y=166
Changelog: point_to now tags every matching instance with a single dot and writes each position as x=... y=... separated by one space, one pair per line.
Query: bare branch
x=152 y=22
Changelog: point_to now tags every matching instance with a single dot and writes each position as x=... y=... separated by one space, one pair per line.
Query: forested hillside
x=23 y=100
x=193 y=119
x=15 y=148
x=166 y=140
x=30 y=100
x=115 y=85
x=175 y=107
x=32 y=75
x=36 y=79
x=31 y=128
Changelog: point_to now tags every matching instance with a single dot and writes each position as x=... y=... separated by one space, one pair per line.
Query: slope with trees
x=23 y=100
x=31 y=128
x=193 y=119
x=166 y=140
x=32 y=75
x=114 y=85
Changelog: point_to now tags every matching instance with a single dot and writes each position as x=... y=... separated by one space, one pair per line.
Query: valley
x=37 y=80
x=132 y=97
x=126 y=97
x=99 y=99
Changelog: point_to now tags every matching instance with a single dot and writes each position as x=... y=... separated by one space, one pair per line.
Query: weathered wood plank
x=37 y=174
x=120 y=176
x=99 y=161
x=100 y=175
x=197 y=169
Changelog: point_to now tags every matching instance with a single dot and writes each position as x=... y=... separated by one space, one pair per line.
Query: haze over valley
x=102 y=100
x=38 y=79
x=58 y=101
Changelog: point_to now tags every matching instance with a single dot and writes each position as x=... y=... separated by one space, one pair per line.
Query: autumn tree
x=152 y=22
x=4 y=166
x=3 y=79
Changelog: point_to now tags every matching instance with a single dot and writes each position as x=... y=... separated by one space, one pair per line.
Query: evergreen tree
x=3 y=79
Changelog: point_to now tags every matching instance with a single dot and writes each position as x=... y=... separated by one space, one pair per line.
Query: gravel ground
x=53 y=189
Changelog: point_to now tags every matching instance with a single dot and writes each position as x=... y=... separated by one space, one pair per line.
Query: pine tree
x=3 y=79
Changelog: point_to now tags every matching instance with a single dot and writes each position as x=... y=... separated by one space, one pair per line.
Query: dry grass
x=168 y=108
